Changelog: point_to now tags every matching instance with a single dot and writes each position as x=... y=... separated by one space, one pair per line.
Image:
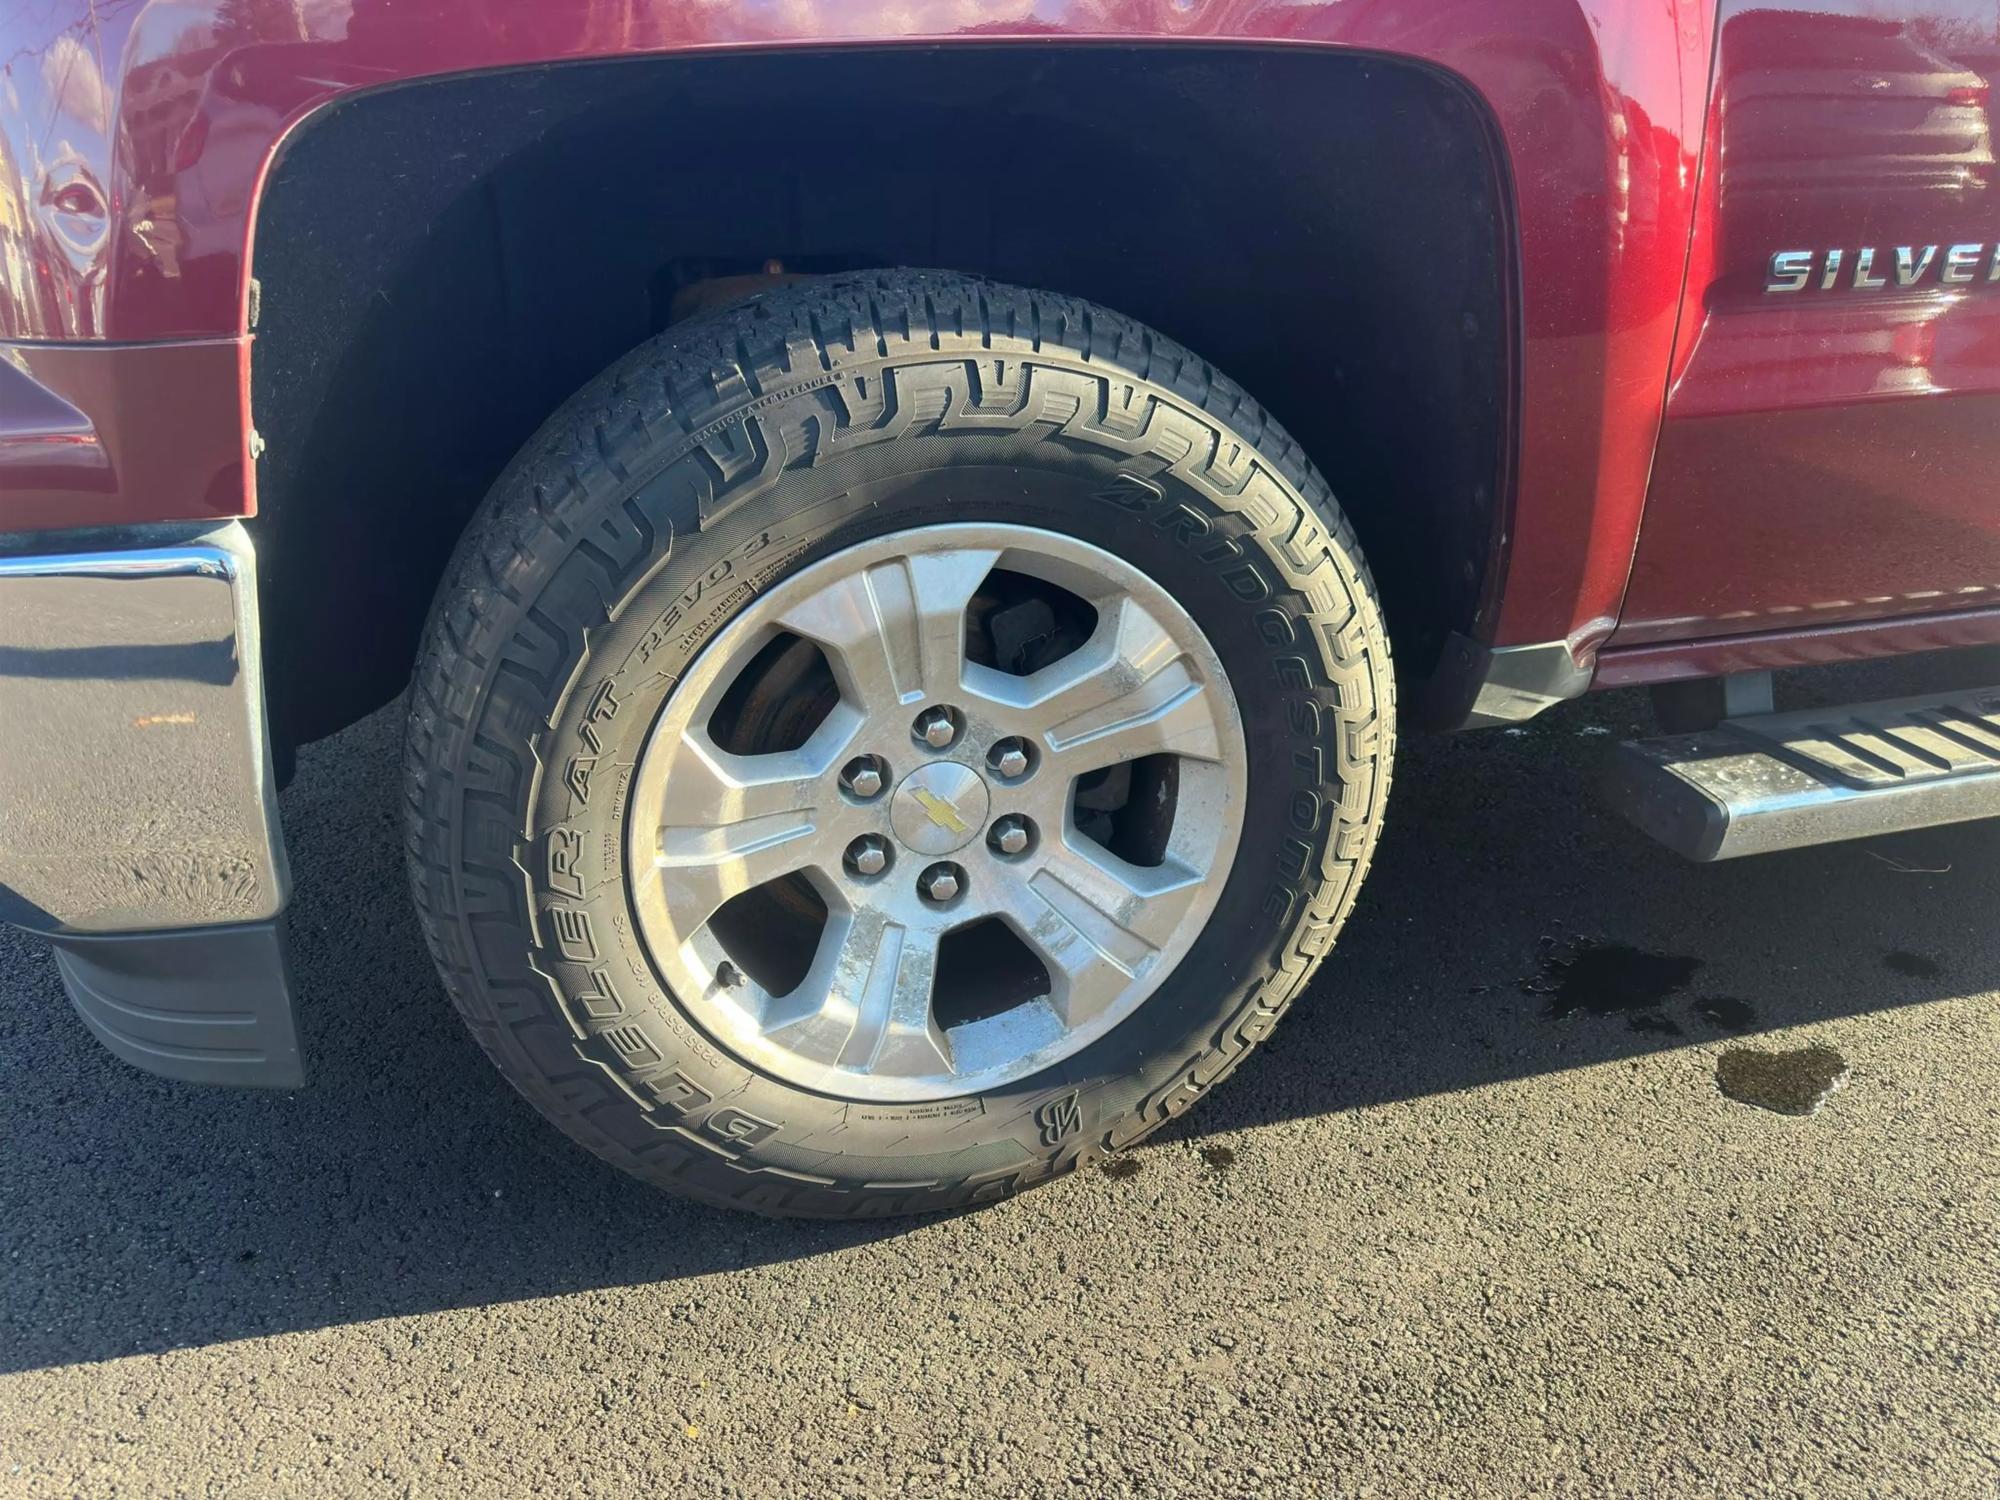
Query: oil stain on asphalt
x=1726 y=1011
x=1610 y=979
x=1789 y=1083
x=1581 y=976
x=1912 y=965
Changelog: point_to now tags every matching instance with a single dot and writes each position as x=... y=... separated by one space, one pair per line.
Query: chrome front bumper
x=138 y=815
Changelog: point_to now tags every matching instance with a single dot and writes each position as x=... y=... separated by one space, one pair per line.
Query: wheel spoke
x=1099 y=924
x=896 y=630
x=897 y=1020
x=730 y=823
x=865 y=1005
x=1170 y=713
x=1128 y=691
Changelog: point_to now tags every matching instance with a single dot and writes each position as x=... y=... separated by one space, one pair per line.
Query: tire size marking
x=942 y=1109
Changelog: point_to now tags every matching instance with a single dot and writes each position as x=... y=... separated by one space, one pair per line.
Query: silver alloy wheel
x=890 y=617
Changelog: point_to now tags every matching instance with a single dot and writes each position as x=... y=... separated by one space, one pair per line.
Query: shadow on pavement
x=138 y=1215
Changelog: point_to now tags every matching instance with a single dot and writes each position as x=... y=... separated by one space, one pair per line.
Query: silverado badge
x=1873 y=268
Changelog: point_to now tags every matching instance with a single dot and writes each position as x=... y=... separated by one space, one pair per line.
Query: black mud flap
x=204 y=1004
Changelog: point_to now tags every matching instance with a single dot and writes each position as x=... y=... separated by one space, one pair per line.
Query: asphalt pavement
x=1478 y=1220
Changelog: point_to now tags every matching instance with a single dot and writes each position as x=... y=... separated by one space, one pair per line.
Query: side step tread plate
x=1782 y=781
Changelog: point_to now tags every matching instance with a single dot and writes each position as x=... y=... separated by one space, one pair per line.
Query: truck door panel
x=1830 y=453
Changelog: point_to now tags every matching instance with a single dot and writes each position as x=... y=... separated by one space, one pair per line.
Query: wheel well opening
x=440 y=265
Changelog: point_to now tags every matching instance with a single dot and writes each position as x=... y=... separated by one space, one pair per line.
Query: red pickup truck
x=881 y=737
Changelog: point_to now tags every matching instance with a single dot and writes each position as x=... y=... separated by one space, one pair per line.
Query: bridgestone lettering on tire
x=837 y=439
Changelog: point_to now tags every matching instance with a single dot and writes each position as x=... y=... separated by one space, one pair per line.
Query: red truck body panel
x=106 y=435
x=137 y=138
x=1832 y=455
x=171 y=121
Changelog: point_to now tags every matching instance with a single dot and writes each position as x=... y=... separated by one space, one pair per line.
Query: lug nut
x=868 y=855
x=936 y=727
x=863 y=777
x=1010 y=835
x=940 y=883
x=1010 y=758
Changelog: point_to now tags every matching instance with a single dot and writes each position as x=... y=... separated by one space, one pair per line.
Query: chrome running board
x=1764 y=782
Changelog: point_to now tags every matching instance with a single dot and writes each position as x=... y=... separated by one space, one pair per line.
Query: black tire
x=733 y=450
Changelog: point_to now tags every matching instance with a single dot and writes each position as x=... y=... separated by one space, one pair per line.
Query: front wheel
x=885 y=744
